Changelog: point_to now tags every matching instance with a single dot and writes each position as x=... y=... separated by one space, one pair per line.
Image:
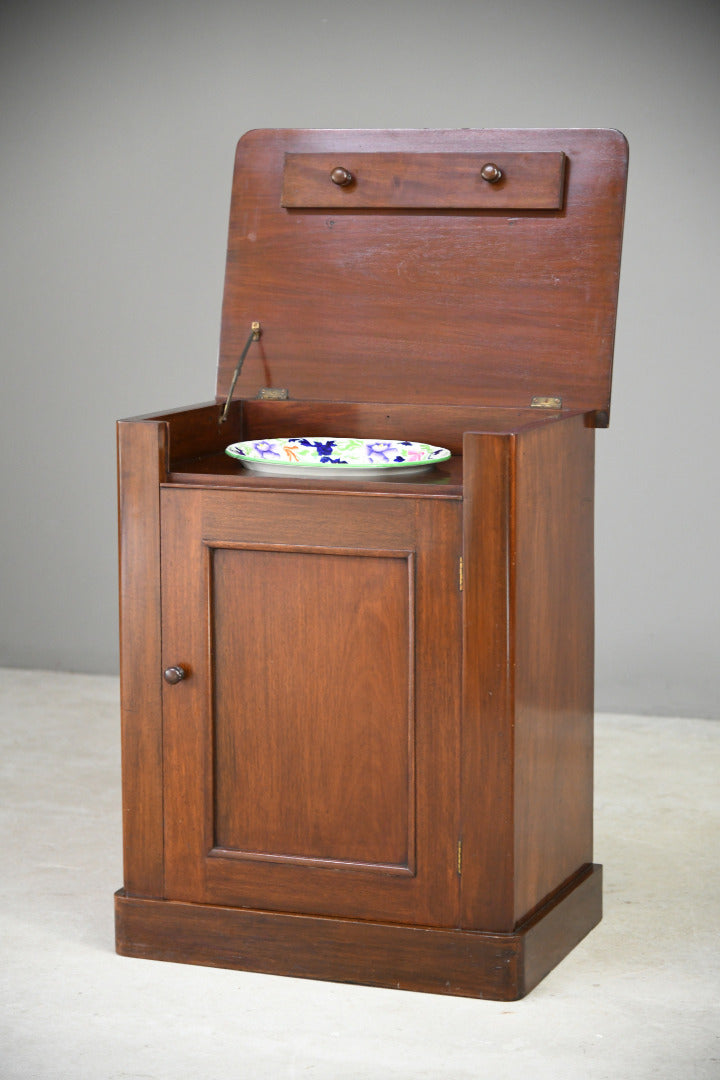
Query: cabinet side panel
x=141 y=466
x=554 y=658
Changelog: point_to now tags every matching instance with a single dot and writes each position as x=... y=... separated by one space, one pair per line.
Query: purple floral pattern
x=319 y=451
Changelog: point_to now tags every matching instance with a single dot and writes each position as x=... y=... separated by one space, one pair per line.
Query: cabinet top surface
x=447 y=267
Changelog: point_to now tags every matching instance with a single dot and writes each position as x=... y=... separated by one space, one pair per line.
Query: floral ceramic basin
x=358 y=458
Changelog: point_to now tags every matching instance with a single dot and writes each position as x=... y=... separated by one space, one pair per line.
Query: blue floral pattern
x=319 y=451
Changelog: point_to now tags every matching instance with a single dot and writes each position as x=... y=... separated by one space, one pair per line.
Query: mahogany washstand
x=357 y=716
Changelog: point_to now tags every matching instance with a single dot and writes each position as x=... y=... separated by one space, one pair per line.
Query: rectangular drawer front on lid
x=397 y=181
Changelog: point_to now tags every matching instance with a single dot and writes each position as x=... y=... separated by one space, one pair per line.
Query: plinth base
x=502 y=967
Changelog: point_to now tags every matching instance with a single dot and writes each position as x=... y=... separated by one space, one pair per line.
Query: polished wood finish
x=503 y=967
x=486 y=307
x=402 y=181
x=442 y=425
x=528 y=666
x=142 y=456
x=377 y=763
x=488 y=750
x=322 y=710
x=315 y=733
x=552 y=562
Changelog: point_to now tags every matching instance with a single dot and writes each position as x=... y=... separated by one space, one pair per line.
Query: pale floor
x=639 y=998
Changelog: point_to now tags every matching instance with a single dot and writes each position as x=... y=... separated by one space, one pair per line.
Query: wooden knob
x=491 y=173
x=174 y=674
x=341 y=177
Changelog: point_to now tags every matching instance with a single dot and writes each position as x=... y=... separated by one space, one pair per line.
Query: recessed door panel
x=311 y=753
x=314 y=741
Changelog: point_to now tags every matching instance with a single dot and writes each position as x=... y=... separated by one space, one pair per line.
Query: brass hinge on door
x=460 y=575
x=459 y=858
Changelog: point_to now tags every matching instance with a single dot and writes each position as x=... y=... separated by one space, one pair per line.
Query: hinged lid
x=450 y=267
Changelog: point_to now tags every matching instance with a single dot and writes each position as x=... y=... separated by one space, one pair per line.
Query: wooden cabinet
x=357 y=715
x=322 y=704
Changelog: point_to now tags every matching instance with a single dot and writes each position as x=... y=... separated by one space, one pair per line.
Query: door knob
x=174 y=674
x=341 y=177
x=491 y=173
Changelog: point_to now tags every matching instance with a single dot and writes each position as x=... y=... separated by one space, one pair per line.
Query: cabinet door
x=311 y=754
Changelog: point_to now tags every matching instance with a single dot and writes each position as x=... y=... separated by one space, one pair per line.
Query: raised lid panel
x=532 y=181
x=442 y=305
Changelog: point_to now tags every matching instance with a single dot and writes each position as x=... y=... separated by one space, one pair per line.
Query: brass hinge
x=461 y=580
x=546 y=403
x=272 y=393
x=459 y=858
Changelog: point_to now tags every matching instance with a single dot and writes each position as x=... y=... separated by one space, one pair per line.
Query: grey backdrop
x=119 y=122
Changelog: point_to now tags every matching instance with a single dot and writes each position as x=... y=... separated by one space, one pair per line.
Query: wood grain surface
x=443 y=306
